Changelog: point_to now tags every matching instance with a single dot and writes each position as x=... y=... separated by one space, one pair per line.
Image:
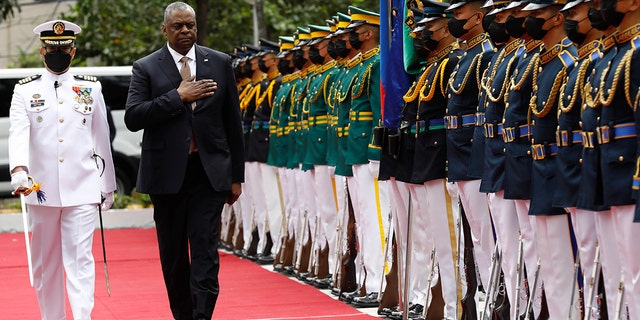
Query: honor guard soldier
x=278 y=149
x=495 y=86
x=460 y=121
x=618 y=132
x=590 y=193
x=435 y=213
x=298 y=114
x=316 y=154
x=364 y=114
x=58 y=135
x=268 y=207
x=517 y=137
x=345 y=184
x=569 y=140
x=555 y=61
x=250 y=201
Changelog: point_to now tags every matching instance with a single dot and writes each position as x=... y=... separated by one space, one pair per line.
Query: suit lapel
x=168 y=67
x=204 y=70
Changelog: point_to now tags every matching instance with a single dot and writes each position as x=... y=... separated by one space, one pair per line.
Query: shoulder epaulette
x=85 y=78
x=566 y=58
x=487 y=46
x=29 y=79
x=635 y=43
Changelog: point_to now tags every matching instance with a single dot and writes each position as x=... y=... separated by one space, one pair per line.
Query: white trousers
x=505 y=221
x=476 y=207
x=609 y=258
x=584 y=224
x=627 y=234
x=439 y=223
x=530 y=257
x=327 y=210
x=258 y=198
x=371 y=222
x=272 y=190
x=61 y=245
x=556 y=263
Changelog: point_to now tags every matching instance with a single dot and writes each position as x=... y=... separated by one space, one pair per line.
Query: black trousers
x=187 y=226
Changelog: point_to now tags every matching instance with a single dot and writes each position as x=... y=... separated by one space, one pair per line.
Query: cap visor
x=535 y=6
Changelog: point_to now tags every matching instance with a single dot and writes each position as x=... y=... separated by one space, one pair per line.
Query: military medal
x=83 y=95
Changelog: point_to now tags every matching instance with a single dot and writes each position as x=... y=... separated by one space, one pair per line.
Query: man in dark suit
x=184 y=96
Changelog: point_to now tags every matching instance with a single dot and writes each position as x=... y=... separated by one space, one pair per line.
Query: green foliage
x=7 y=8
x=142 y=198
x=120 y=201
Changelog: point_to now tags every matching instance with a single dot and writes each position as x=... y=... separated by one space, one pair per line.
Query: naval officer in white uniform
x=59 y=136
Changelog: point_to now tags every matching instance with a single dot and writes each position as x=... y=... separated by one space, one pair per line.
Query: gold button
x=60 y=139
x=504 y=149
x=580 y=161
x=61 y=159
x=61 y=120
x=528 y=152
x=39 y=119
x=60 y=101
x=621 y=158
x=435 y=143
x=540 y=69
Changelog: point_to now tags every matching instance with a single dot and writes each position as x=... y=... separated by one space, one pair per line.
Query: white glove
x=107 y=200
x=19 y=180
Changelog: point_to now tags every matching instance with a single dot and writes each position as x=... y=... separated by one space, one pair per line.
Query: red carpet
x=248 y=291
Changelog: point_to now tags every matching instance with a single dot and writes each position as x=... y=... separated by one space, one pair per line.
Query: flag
x=394 y=81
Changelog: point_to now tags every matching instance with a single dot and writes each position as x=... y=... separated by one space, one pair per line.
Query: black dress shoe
x=349 y=296
x=265 y=259
x=388 y=311
x=238 y=253
x=415 y=312
x=322 y=283
x=335 y=292
x=278 y=267
x=368 y=301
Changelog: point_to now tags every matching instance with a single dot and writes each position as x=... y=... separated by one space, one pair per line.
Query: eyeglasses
x=54 y=49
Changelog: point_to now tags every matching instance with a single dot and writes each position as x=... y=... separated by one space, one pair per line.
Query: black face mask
x=314 y=56
x=456 y=27
x=486 y=21
x=284 y=67
x=354 y=41
x=263 y=66
x=246 y=69
x=571 y=27
x=608 y=9
x=514 y=26
x=237 y=71
x=331 y=50
x=498 y=32
x=428 y=41
x=533 y=26
x=57 y=61
x=298 y=59
x=419 y=48
x=341 y=48
x=597 y=19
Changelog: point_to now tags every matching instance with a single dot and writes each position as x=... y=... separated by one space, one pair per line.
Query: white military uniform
x=59 y=132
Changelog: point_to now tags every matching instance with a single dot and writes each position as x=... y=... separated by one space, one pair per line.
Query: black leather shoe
x=368 y=301
x=278 y=267
x=289 y=270
x=322 y=283
x=335 y=291
x=265 y=259
x=349 y=296
x=415 y=312
x=388 y=311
